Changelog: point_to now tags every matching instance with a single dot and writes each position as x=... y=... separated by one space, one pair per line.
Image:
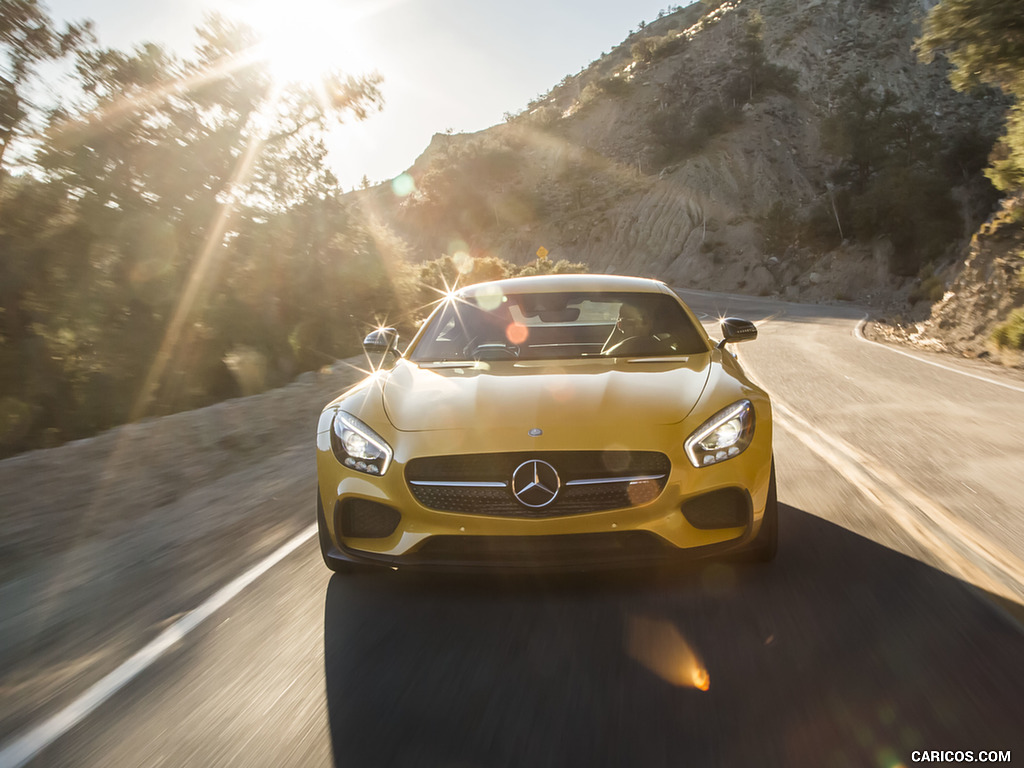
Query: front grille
x=571 y=465
x=591 y=481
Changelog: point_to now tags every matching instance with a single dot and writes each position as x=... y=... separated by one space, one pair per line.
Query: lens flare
x=490 y=298
x=463 y=262
x=403 y=185
x=516 y=333
x=659 y=646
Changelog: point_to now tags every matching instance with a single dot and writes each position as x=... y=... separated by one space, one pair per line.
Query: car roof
x=572 y=282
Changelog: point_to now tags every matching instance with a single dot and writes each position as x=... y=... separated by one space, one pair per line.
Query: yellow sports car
x=563 y=421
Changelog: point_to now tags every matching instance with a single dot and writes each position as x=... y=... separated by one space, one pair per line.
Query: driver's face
x=633 y=321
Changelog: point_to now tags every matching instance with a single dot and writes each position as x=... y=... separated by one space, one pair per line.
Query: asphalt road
x=876 y=633
x=933 y=443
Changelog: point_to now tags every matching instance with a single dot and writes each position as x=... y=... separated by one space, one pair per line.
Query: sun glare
x=305 y=39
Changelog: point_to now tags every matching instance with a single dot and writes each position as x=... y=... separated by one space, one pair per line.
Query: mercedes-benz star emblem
x=535 y=483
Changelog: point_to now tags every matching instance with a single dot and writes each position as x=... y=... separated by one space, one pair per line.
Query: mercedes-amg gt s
x=563 y=421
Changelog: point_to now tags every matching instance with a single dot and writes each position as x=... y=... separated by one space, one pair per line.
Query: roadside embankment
x=109 y=539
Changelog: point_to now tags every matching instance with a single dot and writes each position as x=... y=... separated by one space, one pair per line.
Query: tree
x=177 y=207
x=889 y=182
x=468 y=193
x=755 y=73
x=984 y=40
x=861 y=130
x=28 y=37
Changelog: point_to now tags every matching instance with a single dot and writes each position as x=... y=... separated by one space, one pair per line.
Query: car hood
x=574 y=393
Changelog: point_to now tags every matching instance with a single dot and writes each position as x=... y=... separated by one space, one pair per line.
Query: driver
x=634 y=323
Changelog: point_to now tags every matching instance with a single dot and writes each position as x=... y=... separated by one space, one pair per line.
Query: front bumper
x=654 y=532
x=566 y=553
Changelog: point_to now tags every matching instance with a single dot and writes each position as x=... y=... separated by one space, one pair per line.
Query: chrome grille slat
x=456 y=484
x=604 y=480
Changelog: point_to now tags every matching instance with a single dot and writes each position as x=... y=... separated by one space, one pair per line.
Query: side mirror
x=736 y=329
x=381 y=341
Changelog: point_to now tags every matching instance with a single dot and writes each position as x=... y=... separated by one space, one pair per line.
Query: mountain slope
x=704 y=150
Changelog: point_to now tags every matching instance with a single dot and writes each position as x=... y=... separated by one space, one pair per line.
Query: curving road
x=933 y=444
x=886 y=626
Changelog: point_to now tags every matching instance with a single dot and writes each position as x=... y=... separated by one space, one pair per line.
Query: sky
x=446 y=64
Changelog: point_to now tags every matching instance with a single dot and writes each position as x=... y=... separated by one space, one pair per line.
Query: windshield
x=558 y=326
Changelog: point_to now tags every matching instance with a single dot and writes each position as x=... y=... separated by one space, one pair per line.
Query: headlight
x=358 y=447
x=724 y=435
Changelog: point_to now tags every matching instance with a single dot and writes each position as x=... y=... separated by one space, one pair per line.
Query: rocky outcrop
x=987 y=289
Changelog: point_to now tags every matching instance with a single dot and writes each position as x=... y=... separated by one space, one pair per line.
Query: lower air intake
x=725 y=508
x=365 y=519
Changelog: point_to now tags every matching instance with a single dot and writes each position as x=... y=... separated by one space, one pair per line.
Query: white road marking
x=858 y=332
x=23 y=748
x=928 y=522
x=900 y=499
x=909 y=508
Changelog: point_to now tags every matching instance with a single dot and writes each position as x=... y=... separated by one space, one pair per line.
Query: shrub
x=681 y=133
x=669 y=45
x=547 y=267
x=614 y=86
x=643 y=50
x=930 y=289
x=1011 y=333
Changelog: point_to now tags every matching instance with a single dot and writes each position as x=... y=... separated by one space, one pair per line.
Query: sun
x=304 y=40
